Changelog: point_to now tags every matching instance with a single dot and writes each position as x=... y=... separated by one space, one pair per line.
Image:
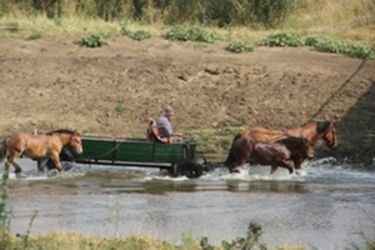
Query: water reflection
x=268 y=186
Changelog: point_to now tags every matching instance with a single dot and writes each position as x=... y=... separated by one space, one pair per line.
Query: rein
x=117 y=145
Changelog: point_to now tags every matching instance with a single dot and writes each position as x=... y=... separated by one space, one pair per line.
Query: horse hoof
x=236 y=170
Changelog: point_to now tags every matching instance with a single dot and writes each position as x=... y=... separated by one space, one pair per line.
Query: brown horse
x=240 y=151
x=39 y=147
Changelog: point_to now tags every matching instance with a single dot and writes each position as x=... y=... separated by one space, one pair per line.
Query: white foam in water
x=165 y=178
x=254 y=172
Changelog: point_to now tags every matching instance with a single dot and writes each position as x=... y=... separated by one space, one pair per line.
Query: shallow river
x=329 y=206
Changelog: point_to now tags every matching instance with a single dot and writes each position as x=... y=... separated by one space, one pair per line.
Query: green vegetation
x=250 y=241
x=120 y=108
x=4 y=209
x=283 y=39
x=139 y=35
x=268 y=13
x=207 y=21
x=36 y=34
x=195 y=34
x=239 y=47
x=12 y=26
x=352 y=49
x=92 y=41
x=75 y=241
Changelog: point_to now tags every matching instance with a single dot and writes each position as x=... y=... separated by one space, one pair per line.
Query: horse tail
x=231 y=159
x=3 y=149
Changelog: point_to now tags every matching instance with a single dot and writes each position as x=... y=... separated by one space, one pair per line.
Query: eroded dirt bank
x=53 y=83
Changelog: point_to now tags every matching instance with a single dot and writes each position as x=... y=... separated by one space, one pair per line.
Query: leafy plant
x=139 y=35
x=326 y=45
x=283 y=39
x=312 y=40
x=239 y=47
x=352 y=49
x=358 y=50
x=195 y=34
x=92 y=41
x=248 y=242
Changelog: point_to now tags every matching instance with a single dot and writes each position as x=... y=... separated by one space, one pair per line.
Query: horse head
x=76 y=143
x=328 y=129
x=69 y=138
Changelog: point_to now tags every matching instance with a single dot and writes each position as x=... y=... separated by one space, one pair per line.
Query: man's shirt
x=164 y=126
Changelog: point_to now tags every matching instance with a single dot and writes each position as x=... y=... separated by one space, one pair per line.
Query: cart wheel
x=190 y=169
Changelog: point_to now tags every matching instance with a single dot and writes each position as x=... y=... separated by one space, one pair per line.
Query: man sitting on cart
x=164 y=125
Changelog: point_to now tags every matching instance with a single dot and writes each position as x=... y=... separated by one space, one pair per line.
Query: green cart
x=177 y=159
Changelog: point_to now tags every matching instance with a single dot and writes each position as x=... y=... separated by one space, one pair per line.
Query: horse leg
x=41 y=165
x=273 y=169
x=56 y=160
x=286 y=164
x=11 y=160
x=298 y=165
x=17 y=167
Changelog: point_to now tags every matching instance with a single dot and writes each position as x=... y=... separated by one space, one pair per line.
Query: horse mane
x=62 y=131
x=290 y=140
x=322 y=127
x=295 y=144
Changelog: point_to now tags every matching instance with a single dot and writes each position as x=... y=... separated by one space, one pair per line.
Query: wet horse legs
x=284 y=164
x=56 y=160
x=11 y=160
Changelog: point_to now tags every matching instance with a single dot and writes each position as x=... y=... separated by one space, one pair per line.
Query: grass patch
x=12 y=26
x=93 y=41
x=194 y=34
x=120 y=108
x=239 y=47
x=283 y=39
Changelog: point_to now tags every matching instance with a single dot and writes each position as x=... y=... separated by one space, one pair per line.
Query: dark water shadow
x=357 y=130
x=268 y=186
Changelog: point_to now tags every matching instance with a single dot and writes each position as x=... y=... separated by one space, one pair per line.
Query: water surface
x=329 y=206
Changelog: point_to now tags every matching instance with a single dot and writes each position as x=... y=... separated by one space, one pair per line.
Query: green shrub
x=329 y=46
x=358 y=50
x=92 y=41
x=283 y=39
x=270 y=13
x=120 y=108
x=195 y=34
x=139 y=35
x=36 y=34
x=312 y=40
x=239 y=47
x=352 y=49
